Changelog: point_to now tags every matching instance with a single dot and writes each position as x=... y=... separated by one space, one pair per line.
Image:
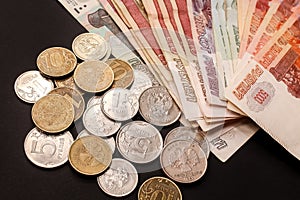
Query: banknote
x=242 y=14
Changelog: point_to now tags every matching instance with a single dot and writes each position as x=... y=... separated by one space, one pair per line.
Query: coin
x=157 y=106
x=94 y=100
x=183 y=161
x=90 y=155
x=47 y=151
x=120 y=179
x=74 y=97
x=30 y=86
x=159 y=188
x=68 y=82
x=139 y=142
x=56 y=61
x=89 y=46
x=123 y=73
x=93 y=76
x=141 y=83
x=119 y=104
x=108 y=54
x=52 y=113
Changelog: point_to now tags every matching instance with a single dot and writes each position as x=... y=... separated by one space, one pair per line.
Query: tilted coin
x=120 y=179
x=47 y=151
x=74 y=97
x=157 y=106
x=30 y=86
x=89 y=46
x=68 y=82
x=139 y=142
x=123 y=73
x=93 y=76
x=94 y=100
x=141 y=83
x=159 y=188
x=56 y=61
x=53 y=113
x=90 y=155
x=183 y=161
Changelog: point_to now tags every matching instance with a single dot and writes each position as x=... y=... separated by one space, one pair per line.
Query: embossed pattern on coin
x=139 y=142
x=68 y=82
x=56 y=61
x=47 y=151
x=123 y=73
x=53 y=113
x=141 y=83
x=94 y=100
x=120 y=179
x=30 y=86
x=183 y=161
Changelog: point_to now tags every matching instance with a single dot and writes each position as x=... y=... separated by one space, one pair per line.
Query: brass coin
x=90 y=155
x=68 y=82
x=53 y=113
x=56 y=61
x=123 y=73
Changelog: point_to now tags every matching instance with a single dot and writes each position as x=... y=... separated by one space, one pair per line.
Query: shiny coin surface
x=68 y=82
x=119 y=104
x=94 y=100
x=93 y=76
x=89 y=46
x=47 y=151
x=30 y=86
x=56 y=61
x=90 y=155
x=159 y=188
x=157 y=106
x=53 y=113
x=120 y=179
x=183 y=161
x=141 y=83
x=74 y=97
x=139 y=142
x=123 y=73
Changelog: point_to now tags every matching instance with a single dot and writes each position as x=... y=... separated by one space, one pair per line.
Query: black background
x=260 y=169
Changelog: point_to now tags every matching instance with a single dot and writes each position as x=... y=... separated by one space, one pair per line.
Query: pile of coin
x=108 y=122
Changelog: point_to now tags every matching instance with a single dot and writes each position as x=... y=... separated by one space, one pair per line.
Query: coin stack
x=119 y=93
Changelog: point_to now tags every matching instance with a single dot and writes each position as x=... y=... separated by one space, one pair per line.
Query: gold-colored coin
x=56 y=61
x=93 y=76
x=90 y=155
x=53 y=113
x=68 y=82
x=123 y=73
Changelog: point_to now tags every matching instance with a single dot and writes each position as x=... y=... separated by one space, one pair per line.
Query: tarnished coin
x=68 y=82
x=89 y=46
x=93 y=76
x=119 y=104
x=139 y=142
x=94 y=100
x=97 y=123
x=120 y=179
x=53 y=113
x=141 y=83
x=183 y=161
x=31 y=86
x=90 y=155
x=159 y=188
x=56 y=61
x=74 y=97
x=123 y=73
x=47 y=151
x=157 y=106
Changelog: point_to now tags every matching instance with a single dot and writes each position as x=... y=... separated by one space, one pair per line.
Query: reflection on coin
x=119 y=104
x=93 y=76
x=52 y=113
x=159 y=188
x=139 y=142
x=47 y=151
x=31 y=86
x=94 y=100
x=120 y=179
x=190 y=134
x=141 y=83
x=183 y=161
x=74 y=97
x=68 y=82
x=157 y=106
x=89 y=46
x=56 y=61
x=123 y=73
x=97 y=123
x=90 y=155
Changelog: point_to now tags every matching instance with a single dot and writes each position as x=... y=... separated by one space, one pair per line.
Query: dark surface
x=261 y=169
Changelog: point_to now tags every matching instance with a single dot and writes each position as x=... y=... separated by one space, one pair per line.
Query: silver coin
x=47 y=151
x=120 y=104
x=108 y=54
x=120 y=179
x=141 y=83
x=139 y=142
x=94 y=100
x=97 y=123
x=30 y=86
x=183 y=161
x=157 y=106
